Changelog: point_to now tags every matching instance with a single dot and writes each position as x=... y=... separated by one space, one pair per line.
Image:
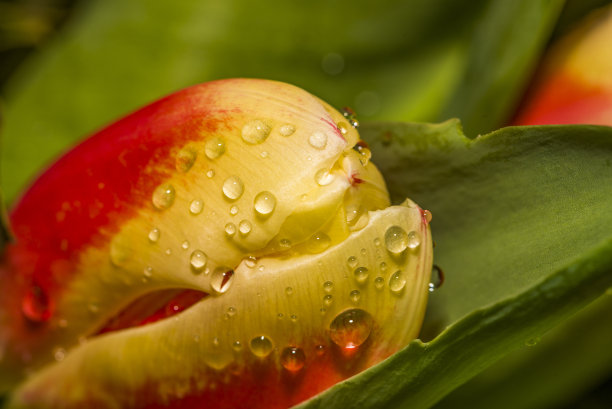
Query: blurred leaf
x=391 y=59
x=522 y=232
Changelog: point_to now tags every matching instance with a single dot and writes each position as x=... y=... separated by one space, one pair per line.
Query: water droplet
x=328 y=299
x=323 y=177
x=185 y=159
x=185 y=245
x=363 y=251
x=255 y=132
x=364 y=153
x=397 y=282
x=352 y=261
x=230 y=229
x=245 y=227
x=350 y=115
x=437 y=278
x=289 y=290
x=361 y=274
x=163 y=197
x=233 y=187
x=168 y=252
x=261 y=346
x=264 y=203
x=379 y=283
x=198 y=260
x=250 y=261
x=264 y=154
x=210 y=173
x=233 y=210
x=320 y=350
x=154 y=235
x=328 y=286
x=231 y=311
x=342 y=127
x=318 y=140
x=287 y=130
x=396 y=239
x=221 y=279
x=293 y=359
x=214 y=147
x=285 y=243
x=196 y=206
x=59 y=354
x=427 y=215
x=377 y=241
x=36 y=305
x=318 y=243
x=532 y=341
x=148 y=271
x=414 y=239
x=383 y=266
x=355 y=296
x=351 y=328
x=293 y=317
x=237 y=346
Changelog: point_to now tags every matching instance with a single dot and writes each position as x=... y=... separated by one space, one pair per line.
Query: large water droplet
x=414 y=239
x=351 y=328
x=261 y=346
x=264 y=203
x=196 y=206
x=318 y=140
x=221 y=279
x=185 y=159
x=163 y=196
x=230 y=229
x=437 y=278
x=361 y=274
x=323 y=177
x=293 y=359
x=397 y=282
x=233 y=187
x=36 y=305
x=154 y=235
x=245 y=227
x=287 y=130
x=396 y=239
x=214 y=147
x=318 y=243
x=427 y=216
x=198 y=260
x=255 y=132
x=342 y=127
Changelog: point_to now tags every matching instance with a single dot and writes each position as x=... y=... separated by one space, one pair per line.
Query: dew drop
x=185 y=159
x=351 y=328
x=320 y=350
x=397 y=282
x=214 y=147
x=293 y=317
x=383 y=266
x=264 y=154
x=233 y=187
x=250 y=261
x=233 y=210
x=154 y=235
x=231 y=311
x=36 y=305
x=196 y=206
x=244 y=227
x=293 y=359
x=230 y=229
x=198 y=261
x=328 y=286
x=328 y=299
x=148 y=271
x=237 y=346
x=342 y=127
x=163 y=197
x=261 y=346
x=210 y=173
x=427 y=215
x=355 y=296
x=396 y=239
x=323 y=177
x=532 y=341
x=318 y=243
x=318 y=140
x=255 y=131
x=414 y=239
x=437 y=278
x=264 y=203
x=168 y=252
x=185 y=245
x=377 y=241
x=361 y=274
x=286 y=243
x=221 y=279
x=352 y=261
x=379 y=283
x=287 y=130
x=289 y=290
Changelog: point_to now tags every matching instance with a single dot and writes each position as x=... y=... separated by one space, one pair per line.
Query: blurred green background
x=414 y=60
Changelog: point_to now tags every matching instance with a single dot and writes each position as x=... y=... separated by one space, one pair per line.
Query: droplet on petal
x=264 y=203
x=379 y=283
x=318 y=140
x=352 y=261
x=233 y=187
x=163 y=196
x=245 y=227
x=396 y=239
x=355 y=296
x=323 y=177
x=196 y=206
x=230 y=229
x=318 y=243
x=255 y=131
x=351 y=328
x=261 y=346
x=198 y=260
x=221 y=279
x=414 y=239
x=287 y=130
x=214 y=147
x=397 y=282
x=154 y=235
x=293 y=359
x=185 y=159
x=361 y=274
x=328 y=286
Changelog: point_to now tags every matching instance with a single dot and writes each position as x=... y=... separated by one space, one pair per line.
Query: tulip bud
x=230 y=244
x=574 y=83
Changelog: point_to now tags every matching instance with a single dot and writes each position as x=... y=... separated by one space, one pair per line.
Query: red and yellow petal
x=216 y=215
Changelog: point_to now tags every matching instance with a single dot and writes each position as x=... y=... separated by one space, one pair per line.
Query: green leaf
x=389 y=59
x=522 y=232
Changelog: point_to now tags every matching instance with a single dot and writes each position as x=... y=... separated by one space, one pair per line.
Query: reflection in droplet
x=287 y=130
x=351 y=328
x=185 y=159
x=261 y=346
x=198 y=261
x=255 y=131
x=264 y=203
x=245 y=227
x=196 y=206
x=221 y=279
x=233 y=187
x=163 y=197
x=396 y=239
x=361 y=274
x=214 y=147
x=397 y=282
x=318 y=140
x=154 y=235
x=293 y=359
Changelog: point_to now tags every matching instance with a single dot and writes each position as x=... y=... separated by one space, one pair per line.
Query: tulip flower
x=574 y=83
x=230 y=245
